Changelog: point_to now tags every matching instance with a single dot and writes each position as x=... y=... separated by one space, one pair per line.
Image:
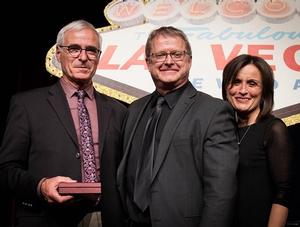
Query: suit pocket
x=192 y=185
x=28 y=215
x=192 y=221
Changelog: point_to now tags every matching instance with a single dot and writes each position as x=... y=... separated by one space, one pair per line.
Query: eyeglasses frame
x=81 y=49
x=183 y=52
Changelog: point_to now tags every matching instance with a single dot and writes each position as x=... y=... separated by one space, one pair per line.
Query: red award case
x=69 y=188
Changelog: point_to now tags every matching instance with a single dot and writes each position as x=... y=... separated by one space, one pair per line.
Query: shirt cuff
x=39 y=193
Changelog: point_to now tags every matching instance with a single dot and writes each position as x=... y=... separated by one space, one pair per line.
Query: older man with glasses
x=66 y=133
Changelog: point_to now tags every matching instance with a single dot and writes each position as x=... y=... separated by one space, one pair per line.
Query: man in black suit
x=41 y=146
x=195 y=156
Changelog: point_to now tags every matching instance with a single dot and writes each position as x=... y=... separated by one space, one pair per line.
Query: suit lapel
x=184 y=103
x=133 y=121
x=103 y=112
x=59 y=104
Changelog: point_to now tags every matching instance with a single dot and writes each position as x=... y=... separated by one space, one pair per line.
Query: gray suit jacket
x=40 y=141
x=194 y=182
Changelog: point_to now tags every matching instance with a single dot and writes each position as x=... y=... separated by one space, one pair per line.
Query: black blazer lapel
x=184 y=103
x=103 y=112
x=130 y=127
x=60 y=105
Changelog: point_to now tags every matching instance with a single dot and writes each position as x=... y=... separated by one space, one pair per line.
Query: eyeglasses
x=176 y=55
x=75 y=51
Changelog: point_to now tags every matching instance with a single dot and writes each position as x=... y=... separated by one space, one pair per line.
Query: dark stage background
x=27 y=34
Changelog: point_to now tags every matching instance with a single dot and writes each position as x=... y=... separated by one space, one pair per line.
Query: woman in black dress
x=264 y=173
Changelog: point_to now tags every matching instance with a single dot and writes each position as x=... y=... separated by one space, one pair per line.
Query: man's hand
x=49 y=189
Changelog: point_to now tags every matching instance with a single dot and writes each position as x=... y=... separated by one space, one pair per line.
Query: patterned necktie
x=86 y=141
x=145 y=164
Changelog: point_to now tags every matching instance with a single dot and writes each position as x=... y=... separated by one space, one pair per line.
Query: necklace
x=245 y=133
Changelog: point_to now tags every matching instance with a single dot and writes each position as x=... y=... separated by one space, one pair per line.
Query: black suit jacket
x=40 y=141
x=194 y=173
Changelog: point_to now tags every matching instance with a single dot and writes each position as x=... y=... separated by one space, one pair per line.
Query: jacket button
x=77 y=155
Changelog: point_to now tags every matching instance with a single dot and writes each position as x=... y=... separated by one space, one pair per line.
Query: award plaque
x=69 y=188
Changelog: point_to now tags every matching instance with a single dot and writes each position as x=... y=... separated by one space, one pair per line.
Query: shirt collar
x=70 y=89
x=172 y=97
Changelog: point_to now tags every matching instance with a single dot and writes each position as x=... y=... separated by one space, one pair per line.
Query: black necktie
x=145 y=164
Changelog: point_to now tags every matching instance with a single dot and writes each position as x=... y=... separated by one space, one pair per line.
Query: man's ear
x=57 y=54
x=148 y=60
